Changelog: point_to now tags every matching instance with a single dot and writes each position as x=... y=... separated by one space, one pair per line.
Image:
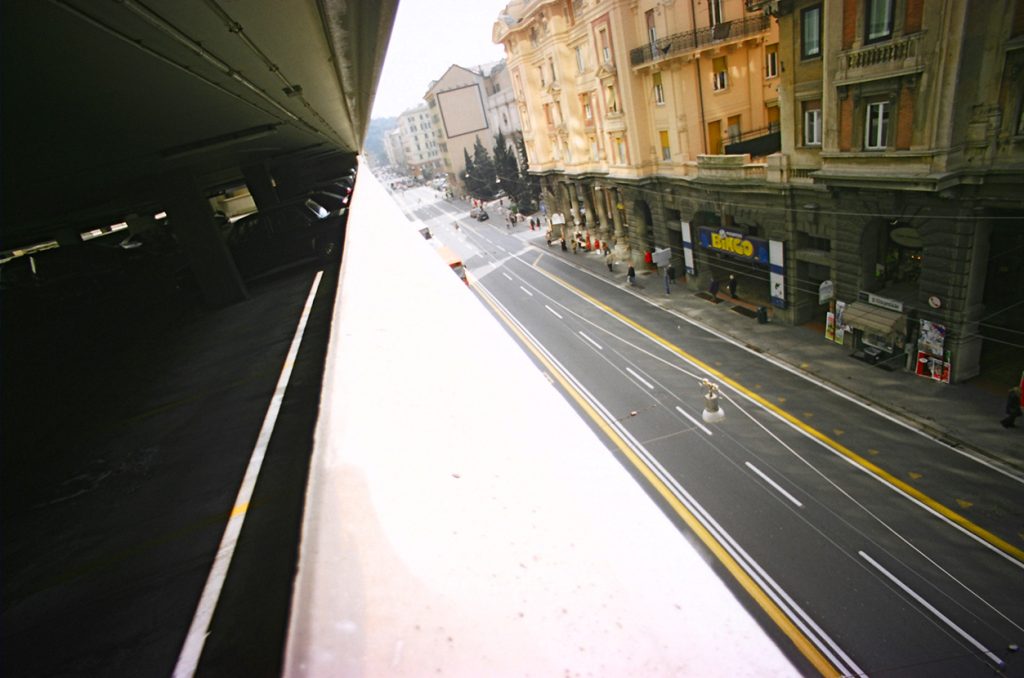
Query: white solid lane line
x=774 y=484
x=191 y=651
x=928 y=606
x=696 y=423
x=554 y=312
x=596 y=345
x=643 y=381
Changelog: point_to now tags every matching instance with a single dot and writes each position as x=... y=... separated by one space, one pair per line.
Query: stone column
x=588 y=204
x=602 y=212
x=621 y=244
x=574 y=206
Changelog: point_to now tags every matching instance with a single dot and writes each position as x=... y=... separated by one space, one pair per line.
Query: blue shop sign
x=734 y=244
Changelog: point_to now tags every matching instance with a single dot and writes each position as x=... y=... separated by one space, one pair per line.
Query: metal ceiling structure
x=103 y=99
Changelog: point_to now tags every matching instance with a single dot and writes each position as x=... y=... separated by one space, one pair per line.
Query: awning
x=867 y=317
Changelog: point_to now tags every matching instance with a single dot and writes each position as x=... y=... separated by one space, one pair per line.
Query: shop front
x=879 y=334
x=755 y=264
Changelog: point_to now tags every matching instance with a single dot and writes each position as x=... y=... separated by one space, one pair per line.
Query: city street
x=840 y=528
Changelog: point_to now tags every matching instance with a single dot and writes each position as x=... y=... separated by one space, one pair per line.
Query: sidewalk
x=965 y=416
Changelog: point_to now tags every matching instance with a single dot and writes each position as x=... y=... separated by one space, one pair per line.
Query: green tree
x=529 y=186
x=482 y=179
x=506 y=169
x=469 y=178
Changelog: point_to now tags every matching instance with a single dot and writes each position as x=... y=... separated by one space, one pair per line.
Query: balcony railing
x=681 y=43
x=881 y=60
x=881 y=54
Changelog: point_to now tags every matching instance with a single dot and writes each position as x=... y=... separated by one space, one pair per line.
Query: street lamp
x=713 y=413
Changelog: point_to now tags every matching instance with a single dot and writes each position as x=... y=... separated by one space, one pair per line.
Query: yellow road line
x=920 y=496
x=785 y=624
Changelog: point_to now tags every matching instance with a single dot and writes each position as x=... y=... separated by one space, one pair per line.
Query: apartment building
x=394 y=148
x=856 y=163
x=420 y=150
x=628 y=106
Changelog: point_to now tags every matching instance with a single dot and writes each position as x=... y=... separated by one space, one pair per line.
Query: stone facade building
x=857 y=163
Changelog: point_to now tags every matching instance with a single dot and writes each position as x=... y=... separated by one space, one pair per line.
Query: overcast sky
x=428 y=37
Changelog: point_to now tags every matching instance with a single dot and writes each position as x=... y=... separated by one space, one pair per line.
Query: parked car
x=285 y=235
x=482 y=215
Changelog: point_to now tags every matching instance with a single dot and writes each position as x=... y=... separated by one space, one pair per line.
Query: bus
x=454 y=262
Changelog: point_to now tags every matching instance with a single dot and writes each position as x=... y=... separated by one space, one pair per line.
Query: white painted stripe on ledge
x=198 y=631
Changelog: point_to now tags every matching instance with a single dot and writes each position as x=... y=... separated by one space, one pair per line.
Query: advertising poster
x=933 y=338
x=830 y=326
x=840 y=327
x=932 y=367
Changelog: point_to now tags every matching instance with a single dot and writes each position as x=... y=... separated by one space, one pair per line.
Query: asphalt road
x=839 y=528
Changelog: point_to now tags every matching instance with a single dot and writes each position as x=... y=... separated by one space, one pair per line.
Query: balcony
x=684 y=43
x=884 y=60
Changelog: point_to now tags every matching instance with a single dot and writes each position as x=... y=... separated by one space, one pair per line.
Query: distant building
x=395 y=149
x=856 y=162
x=467 y=104
x=421 y=153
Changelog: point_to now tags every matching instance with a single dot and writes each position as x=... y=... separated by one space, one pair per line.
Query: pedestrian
x=671 y=273
x=1012 y=407
x=668 y=280
x=731 y=285
x=575 y=245
x=564 y=248
x=631 y=275
x=713 y=288
x=648 y=258
x=608 y=260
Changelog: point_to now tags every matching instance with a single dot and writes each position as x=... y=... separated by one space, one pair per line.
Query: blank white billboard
x=462 y=110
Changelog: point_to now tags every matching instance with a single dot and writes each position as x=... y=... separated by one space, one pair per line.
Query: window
x=581 y=63
x=771 y=61
x=810 y=32
x=659 y=90
x=720 y=79
x=734 y=129
x=620 y=148
x=551 y=67
x=606 y=52
x=547 y=115
x=666 y=150
x=540 y=73
x=876 y=127
x=879 y=19
x=812 y=123
x=594 y=152
x=611 y=101
x=715 y=12
x=588 y=110
x=652 y=34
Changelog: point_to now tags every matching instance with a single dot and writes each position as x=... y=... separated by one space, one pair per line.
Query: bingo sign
x=734 y=244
